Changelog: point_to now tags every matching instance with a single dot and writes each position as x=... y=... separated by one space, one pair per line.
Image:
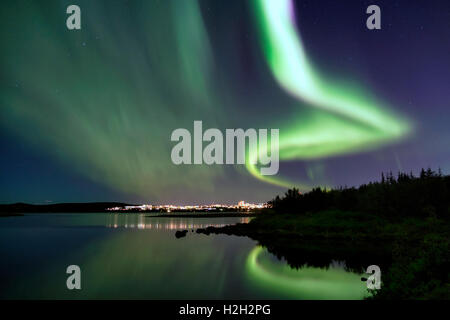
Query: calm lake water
x=130 y=256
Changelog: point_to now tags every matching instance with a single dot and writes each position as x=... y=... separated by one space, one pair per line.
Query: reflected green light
x=345 y=118
x=304 y=283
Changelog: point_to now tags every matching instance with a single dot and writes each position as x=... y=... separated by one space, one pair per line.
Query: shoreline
x=6 y=214
x=206 y=215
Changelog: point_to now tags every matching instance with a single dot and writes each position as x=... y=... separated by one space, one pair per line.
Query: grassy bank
x=335 y=224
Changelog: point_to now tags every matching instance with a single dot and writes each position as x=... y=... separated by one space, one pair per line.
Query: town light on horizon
x=241 y=205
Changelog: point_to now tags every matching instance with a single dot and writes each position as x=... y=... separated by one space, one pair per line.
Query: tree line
x=403 y=195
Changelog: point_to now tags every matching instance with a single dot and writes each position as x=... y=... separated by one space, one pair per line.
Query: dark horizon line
x=74 y=207
x=120 y=203
x=98 y=204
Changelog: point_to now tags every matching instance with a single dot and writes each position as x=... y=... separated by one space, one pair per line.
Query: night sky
x=87 y=115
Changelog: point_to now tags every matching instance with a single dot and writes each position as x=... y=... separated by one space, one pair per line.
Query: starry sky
x=86 y=115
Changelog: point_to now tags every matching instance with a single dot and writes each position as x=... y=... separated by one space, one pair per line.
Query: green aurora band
x=347 y=119
x=104 y=100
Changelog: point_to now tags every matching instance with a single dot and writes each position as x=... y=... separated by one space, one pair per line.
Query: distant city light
x=241 y=206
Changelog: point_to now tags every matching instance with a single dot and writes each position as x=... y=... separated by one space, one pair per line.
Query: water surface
x=130 y=256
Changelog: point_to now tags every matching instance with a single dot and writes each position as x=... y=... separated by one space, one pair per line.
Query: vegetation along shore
x=399 y=223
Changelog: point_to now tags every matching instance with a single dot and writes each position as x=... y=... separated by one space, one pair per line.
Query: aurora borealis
x=87 y=115
x=366 y=124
